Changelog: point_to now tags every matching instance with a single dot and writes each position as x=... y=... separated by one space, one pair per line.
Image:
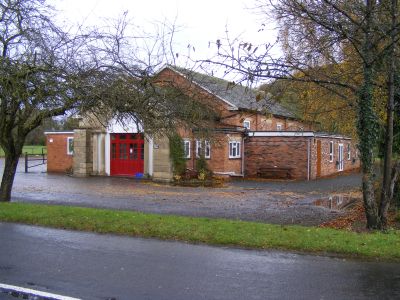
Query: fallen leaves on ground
x=355 y=219
x=356 y=214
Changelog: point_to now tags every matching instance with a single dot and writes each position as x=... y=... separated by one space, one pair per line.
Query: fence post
x=26 y=162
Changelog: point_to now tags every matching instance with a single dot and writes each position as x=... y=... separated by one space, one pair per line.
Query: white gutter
x=332 y=136
x=58 y=132
x=281 y=134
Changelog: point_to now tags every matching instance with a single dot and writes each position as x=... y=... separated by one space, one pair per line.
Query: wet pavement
x=280 y=202
x=93 y=266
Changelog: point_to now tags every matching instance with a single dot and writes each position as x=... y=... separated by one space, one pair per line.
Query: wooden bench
x=275 y=172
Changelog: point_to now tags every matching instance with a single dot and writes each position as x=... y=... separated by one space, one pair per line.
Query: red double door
x=127 y=154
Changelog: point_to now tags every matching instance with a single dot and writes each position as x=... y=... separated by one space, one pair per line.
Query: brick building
x=251 y=138
x=59 y=151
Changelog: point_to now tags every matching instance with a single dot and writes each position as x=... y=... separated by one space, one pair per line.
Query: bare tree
x=47 y=72
x=43 y=74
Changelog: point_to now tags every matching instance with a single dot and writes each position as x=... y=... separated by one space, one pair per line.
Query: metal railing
x=36 y=157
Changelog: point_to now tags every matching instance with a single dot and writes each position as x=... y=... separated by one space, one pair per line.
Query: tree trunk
x=367 y=134
x=7 y=181
x=387 y=165
x=371 y=210
x=367 y=126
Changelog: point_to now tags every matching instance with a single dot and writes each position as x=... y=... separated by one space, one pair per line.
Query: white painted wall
x=127 y=125
x=107 y=154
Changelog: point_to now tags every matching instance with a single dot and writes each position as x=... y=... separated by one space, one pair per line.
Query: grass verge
x=209 y=231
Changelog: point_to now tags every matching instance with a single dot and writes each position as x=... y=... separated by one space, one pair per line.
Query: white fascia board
x=232 y=106
x=58 y=132
x=340 y=137
x=281 y=134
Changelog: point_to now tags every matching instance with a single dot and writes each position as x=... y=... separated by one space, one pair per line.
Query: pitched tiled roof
x=238 y=96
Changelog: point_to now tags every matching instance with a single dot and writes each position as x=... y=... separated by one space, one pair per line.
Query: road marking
x=12 y=288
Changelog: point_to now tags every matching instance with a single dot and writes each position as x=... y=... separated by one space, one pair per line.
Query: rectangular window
x=70 y=145
x=348 y=152
x=186 y=146
x=114 y=151
x=133 y=151
x=279 y=127
x=246 y=124
x=198 y=148
x=234 y=149
x=123 y=153
x=330 y=151
x=207 y=149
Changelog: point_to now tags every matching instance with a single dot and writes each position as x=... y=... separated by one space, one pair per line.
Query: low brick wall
x=58 y=160
x=281 y=152
x=292 y=152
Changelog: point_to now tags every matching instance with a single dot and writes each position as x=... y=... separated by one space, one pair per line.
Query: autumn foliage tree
x=346 y=47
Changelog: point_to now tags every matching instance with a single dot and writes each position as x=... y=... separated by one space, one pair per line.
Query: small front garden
x=200 y=176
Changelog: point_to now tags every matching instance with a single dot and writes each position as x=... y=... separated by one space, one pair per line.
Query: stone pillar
x=162 y=166
x=83 y=153
x=101 y=149
x=95 y=154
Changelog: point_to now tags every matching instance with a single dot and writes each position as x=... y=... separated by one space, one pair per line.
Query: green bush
x=201 y=164
x=177 y=154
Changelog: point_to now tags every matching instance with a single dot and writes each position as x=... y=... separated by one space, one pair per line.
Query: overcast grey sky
x=201 y=21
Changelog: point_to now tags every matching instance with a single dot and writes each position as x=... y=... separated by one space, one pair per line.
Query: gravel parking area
x=280 y=202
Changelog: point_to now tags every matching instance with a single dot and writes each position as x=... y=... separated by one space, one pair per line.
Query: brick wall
x=328 y=167
x=292 y=152
x=219 y=160
x=276 y=151
x=57 y=158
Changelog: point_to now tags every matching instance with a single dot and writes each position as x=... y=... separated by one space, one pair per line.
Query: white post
x=151 y=145
x=107 y=154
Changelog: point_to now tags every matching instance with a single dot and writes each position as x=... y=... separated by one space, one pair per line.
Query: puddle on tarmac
x=336 y=202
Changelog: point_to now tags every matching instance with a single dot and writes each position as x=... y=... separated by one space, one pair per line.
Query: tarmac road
x=91 y=266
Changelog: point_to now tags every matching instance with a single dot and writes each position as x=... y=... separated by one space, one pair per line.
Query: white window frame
x=198 y=148
x=247 y=124
x=186 y=142
x=234 y=149
x=331 y=151
x=279 y=127
x=70 y=140
x=348 y=152
x=207 y=148
x=340 y=157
